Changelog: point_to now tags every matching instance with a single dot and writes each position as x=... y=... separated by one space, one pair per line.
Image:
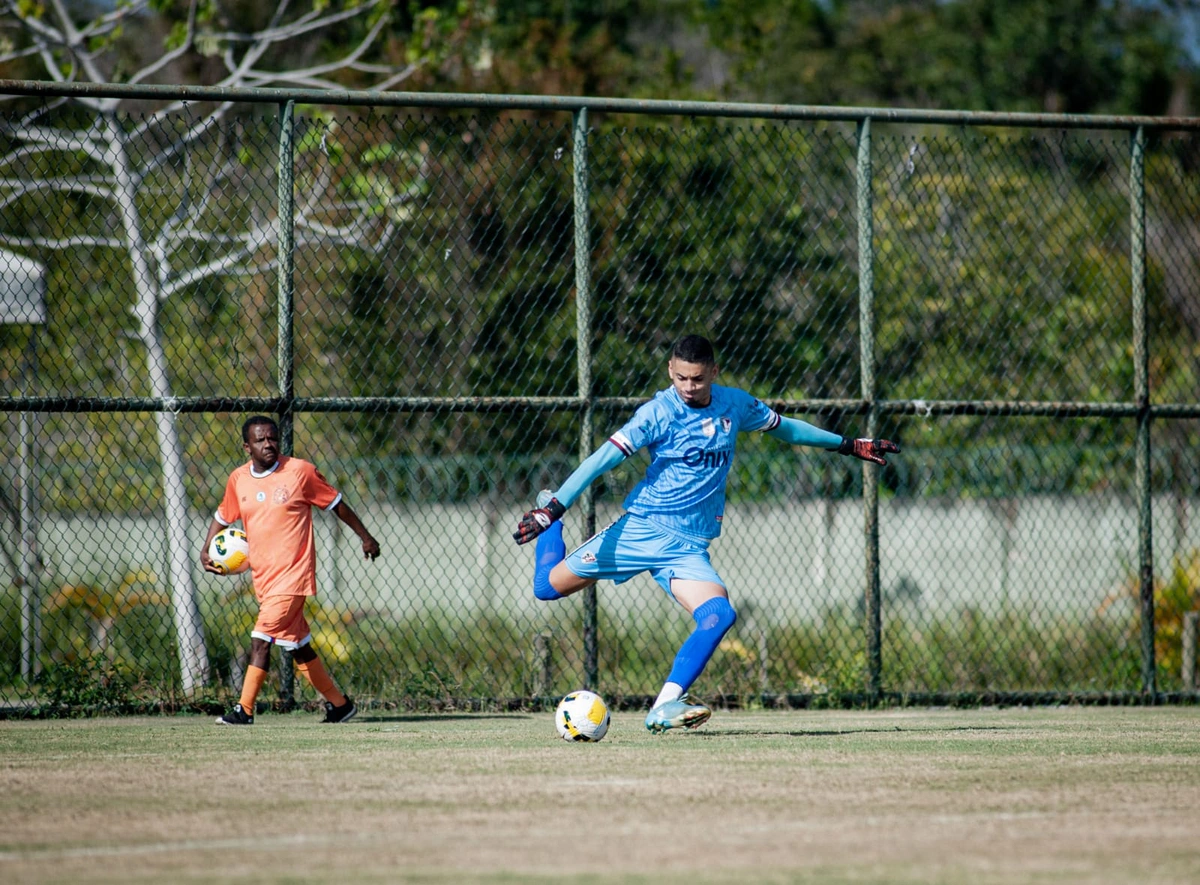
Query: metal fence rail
x=448 y=300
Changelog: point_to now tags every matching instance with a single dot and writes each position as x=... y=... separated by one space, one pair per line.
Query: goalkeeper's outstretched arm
x=536 y=521
x=801 y=433
x=593 y=467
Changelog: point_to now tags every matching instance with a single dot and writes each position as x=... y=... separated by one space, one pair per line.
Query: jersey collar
x=258 y=475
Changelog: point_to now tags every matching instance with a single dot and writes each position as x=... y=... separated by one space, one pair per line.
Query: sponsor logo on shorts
x=588 y=557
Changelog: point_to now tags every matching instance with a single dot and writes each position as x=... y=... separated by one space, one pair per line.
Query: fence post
x=30 y=562
x=287 y=680
x=583 y=358
x=543 y=666
x=285 y=289
x=1141 y=392
x=866 y=334
x=1189 y=650
x=30 y=566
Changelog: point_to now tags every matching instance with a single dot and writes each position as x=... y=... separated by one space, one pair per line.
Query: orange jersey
x=276 y=511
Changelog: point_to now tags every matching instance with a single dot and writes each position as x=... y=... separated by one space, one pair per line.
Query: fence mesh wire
x=430 y=364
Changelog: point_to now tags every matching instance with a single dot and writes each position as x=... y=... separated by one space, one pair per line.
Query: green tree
x=1076 y=56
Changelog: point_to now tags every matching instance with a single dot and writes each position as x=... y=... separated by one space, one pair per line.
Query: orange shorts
x=281 y=622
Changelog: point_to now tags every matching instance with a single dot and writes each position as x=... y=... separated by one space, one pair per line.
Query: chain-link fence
x=448 y=301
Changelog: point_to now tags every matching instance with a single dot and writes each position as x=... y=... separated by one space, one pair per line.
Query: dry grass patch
x=1102 y=795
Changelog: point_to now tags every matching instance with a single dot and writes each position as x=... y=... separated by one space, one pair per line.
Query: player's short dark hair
x=694 y=349
x=256 y=419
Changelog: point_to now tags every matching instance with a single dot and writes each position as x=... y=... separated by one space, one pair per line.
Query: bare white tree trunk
x=162 y=260
x=189 y=627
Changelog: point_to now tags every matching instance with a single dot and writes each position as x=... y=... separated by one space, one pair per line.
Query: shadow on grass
x=840 y=732
x=436 y=717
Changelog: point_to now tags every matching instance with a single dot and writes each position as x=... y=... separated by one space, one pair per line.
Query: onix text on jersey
x=698 y=457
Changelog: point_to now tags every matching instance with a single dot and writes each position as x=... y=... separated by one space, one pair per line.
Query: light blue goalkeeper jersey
x=691 y=451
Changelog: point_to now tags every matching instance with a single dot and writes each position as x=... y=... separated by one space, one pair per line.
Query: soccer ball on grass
x=582 y=716
x=230 y=551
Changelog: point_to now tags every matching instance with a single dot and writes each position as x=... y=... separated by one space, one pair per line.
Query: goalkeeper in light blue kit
x=674 y=512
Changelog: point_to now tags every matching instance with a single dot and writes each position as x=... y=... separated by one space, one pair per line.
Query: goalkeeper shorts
x=633 y=545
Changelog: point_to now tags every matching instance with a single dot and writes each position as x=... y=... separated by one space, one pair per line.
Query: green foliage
x=443 y=658
x=86 y=686
x=1080 y=56
x=969 y=650
x=1014 y=239
x=104 y=603
x=743 y=231
x=706 y=230
x=1176 y=593
x=568 y=47
x=428 y=659
x=31 y=9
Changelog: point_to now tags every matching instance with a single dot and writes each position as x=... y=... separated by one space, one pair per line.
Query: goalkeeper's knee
x=550 y=551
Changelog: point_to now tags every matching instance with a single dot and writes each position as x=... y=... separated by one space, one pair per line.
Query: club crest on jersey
x=726 y=424
x=707 y=427
x=280 y=496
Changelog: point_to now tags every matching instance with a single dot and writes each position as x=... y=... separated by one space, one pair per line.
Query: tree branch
x=43 y=139
x=62 y=243
x=310 y=21
x=178 y=52
x=194 y=229
x=12 y=190
x=244 y=73
x=226 y=265
x=75 y=42
x=179 y=142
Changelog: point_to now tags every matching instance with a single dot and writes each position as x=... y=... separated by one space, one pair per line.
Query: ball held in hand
x=230 y=551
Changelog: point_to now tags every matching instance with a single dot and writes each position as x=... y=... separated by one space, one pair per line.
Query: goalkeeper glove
x=536 y=521
x=867 y=449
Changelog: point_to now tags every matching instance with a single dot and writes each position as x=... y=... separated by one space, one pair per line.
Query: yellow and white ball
x=582 y=716
x=230 y=551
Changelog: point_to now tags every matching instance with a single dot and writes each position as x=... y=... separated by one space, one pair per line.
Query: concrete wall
x=1055 y=555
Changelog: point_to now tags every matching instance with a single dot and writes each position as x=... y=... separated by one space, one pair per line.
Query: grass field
x=1060 y=795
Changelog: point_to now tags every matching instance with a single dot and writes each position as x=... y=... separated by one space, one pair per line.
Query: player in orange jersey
x=273 y=497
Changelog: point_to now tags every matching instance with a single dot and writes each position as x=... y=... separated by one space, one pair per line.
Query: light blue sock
x=713 y=620
x=550 y=551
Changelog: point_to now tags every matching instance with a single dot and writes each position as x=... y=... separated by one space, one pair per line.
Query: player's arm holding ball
x=218 y=524
x=205 y=559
